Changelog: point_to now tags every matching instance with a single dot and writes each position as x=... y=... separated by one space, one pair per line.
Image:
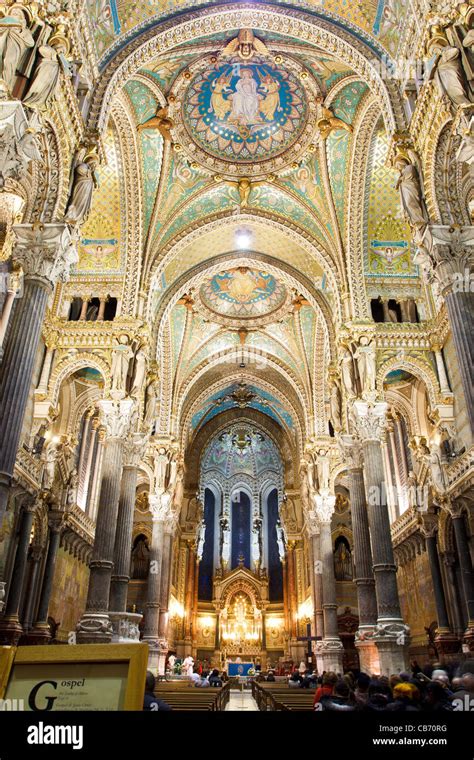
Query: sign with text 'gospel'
x=76 y=677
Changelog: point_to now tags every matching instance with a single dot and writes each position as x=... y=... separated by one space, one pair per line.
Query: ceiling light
x=243 y=240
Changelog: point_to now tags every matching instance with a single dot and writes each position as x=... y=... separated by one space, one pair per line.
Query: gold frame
x=136 y=655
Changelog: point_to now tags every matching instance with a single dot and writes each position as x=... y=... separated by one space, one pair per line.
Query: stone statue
x=201 y=539
x=71 y=489
x=433 y=462
x=45 y=79
x=328 y=123
x=151 y=402
x=336 y=407
x=347 y=373
x=120 y=364
x=450 y=76
x=179 y=487
x=324 y=470
x=161 y=468
x=139 y=372
x=171 y=663
x=411 y=196
x=48 y=457
x=81 y=194
x=15 y=38
x=366 y=364
x=304 y=488
x=280 y=539
x=412 y=490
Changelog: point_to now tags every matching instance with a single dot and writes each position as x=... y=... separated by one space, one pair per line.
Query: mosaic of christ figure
x=246 y=100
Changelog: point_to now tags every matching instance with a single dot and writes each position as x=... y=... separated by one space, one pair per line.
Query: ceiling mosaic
x=243 y=294
x=389 y=251
x=231 y=398
x=115 y=21
x=99 y=248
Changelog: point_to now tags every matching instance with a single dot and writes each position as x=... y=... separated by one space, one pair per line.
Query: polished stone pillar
x=293 y=606
x=331 y=648
x=42 y=388
x=133 y=452
x=448 y=259
x=447 y=643
x=11 y=629
x=190 y=573
x=442 y=374
x=160 y=506
x=166 y=579
x=314 y=534
x=85 y=304
x=391 y=634
x=33 y=562
x=467 y=575
x=100 y=315
x=363 y=571
x=12 y=290
x=96 y=476
x=45 y=254
x=95 y=625
x=41 y=633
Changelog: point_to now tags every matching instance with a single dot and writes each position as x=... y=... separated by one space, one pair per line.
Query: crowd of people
x=432 y=689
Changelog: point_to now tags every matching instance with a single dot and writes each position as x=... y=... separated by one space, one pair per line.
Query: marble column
x=190 y=572
x=125 y=624
x=94 y=485
x=447 y=254
x=447 y=643
x=12 y=289
x=94 y=625
x=160 y=507
x=11 y=629
x=331 y=648
x=42 y=388
x=166 y=579
x=293 y=606
x=34 y=561
x=314 y=533
x=85 y=304
x=363 y=571
x=45 y=253
x=442 y=374
x=391 y=634
x=41 y=634
x=100 y=315
x=467 y=575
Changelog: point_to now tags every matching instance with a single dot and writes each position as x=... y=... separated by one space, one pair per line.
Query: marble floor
x=241 y=700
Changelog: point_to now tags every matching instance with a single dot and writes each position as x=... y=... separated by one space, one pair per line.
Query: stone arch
x=161 y=36
x=416 y=367
x=68 y=365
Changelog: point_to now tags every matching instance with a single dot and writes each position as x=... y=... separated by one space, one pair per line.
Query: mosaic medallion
x=243 y=293
x=243 y=118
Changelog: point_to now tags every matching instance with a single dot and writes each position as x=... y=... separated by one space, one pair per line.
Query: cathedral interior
x=236 y=379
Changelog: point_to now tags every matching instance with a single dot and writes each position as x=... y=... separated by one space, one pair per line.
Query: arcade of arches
x=236 y=385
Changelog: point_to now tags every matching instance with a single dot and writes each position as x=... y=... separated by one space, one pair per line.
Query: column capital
x=134 y=449
x=56 y=521
x=117 y=417
x=45 y=250
x=446 y=255
x=429 y=525
x=312 y=523
x=325 y=503
x=351 y=452
x=160 y=508
x=369 y=420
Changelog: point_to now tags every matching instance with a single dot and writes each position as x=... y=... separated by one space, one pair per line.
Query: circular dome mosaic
x=244 y=112
x=243 y=293
x=241 y=118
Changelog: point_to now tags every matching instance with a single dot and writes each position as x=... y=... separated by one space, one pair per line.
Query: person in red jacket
x=325 y=690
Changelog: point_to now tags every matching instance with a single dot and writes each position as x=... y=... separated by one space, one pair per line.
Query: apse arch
x=164 y=35
x=68 y=366
x=415 y=367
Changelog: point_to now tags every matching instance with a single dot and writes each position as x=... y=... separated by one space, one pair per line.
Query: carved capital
x=351 y=452
x=160 y=507
x=325 y=507
x=369 y=420
x=312 y=523
x=134 y=449
x=117 y=416
x=446 y=254
x=45 y=250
